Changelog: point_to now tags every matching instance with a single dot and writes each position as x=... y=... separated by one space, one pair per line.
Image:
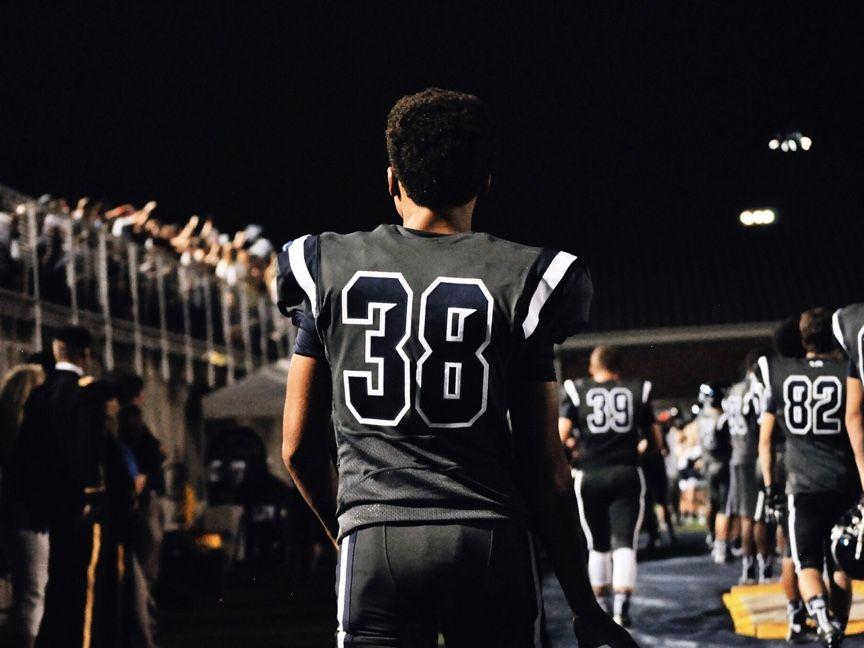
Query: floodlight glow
x=753 y=217
x=784 y=146
x=806 y=143
x=793 y=145
x=774 y=144
x=20 y=209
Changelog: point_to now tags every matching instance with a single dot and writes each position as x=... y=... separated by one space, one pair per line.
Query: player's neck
x=453 y=220
x=602 y=376
x=813 y=355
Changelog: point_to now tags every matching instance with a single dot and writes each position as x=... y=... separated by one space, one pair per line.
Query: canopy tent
x=258 y=395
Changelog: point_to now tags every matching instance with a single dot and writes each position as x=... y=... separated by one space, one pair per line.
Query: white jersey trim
x=763 y=369
x=646 y=391
x=550 y=280
x=838 y=331
x=572 y=392
x=297 y=260
x=583 y=520
x=341 y=603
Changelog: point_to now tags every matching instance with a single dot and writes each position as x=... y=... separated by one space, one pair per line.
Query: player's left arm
x=855 y=421
x=766 y=452
x=304 y=448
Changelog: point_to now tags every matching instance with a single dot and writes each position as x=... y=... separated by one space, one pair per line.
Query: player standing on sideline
x=771 y=515
x=608 y=417
x=426 y=335
x=806 y=398
x=716 y=451
x=741 y=411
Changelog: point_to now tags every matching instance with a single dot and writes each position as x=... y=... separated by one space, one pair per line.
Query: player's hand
x=599 y=631
x=773 y=504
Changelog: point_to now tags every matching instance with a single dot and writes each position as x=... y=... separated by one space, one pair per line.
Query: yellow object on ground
x=760 y=610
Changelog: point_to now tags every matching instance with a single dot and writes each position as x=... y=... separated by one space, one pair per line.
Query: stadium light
x=751 y=217
x=793 y=142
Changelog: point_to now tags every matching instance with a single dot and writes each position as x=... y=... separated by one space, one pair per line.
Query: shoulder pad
x=296 y=289
x=556 y=297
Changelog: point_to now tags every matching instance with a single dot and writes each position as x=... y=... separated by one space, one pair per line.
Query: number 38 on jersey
x=454 y=329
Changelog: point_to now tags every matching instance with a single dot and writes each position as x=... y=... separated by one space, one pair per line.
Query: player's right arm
x=545 y=479
x=854 y=386
x=767 y=422
x=766 y=454
x=555 y=304
x=855 y=421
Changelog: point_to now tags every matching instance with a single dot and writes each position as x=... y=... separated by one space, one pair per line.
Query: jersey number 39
x=452 y=375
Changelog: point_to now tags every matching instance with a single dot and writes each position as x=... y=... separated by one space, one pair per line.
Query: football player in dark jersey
x=609 y=417
x=771 y=514
x=740 y=416
x=849 y=331
x=742 y=409
x=418 y=340
x=716 y=452
x=805 y=398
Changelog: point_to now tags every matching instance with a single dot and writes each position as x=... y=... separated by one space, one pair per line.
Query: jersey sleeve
x=297 y=293
x=555 y=298
x=848 y=326
x=538 y=365
x=646 y=408
x=570 y=402
x=768 y=401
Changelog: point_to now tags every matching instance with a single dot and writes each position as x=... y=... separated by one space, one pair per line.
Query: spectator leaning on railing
x=84 y=256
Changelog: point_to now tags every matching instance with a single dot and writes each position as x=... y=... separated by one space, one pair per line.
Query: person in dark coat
x=63 y=459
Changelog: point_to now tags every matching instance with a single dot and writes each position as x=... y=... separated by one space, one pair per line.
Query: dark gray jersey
x=740 y=414
x=609 y=420
x=713 y=438
x=849 y=331
x=808 y=397
x=425 y=336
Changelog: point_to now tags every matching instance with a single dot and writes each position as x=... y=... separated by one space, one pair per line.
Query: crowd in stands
x=190 y=278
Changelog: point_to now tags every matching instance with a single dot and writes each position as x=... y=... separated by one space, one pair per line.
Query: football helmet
x=847 y=542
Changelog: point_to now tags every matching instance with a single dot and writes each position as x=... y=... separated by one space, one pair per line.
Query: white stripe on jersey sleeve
x=646 y=391
x=570 y=388
x=838 y=332
x=551 y=278
x=297 y=259
x=763 y=369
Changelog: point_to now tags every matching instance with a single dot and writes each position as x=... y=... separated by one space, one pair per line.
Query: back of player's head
x=440 y=144
x=609 y=358
x=787 y=338
x=72 y=343
x=816 y=333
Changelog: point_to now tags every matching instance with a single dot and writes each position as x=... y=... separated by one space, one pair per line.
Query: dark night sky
x=633 y=133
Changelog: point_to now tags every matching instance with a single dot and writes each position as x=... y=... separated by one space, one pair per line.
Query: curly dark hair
x=816 y=333
x=440 y=144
